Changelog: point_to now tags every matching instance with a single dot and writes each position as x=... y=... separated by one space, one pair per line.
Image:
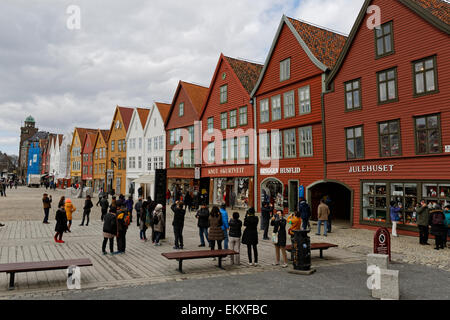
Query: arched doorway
x=272 y=191
x=341 y=197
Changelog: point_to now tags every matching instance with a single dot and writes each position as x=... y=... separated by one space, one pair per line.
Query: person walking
x=395 y=216
x=61 y=223
x=138 y=208
x=168 y=194
x=87 y=210
x=47 y=203
x=123 y=221
x=109 y=231
x=142 y=225
x=423 y=217
x=266 y=214
x=235 y=237
x=279 y=229
x=70 y=209
x=104 y=205
x=250 y=235
x=447 y=222
x=129 y=203
x=438 y=227
x=323 y=213
x=202 y=216
x=305 y=213
x=225 y=225
x=178 y=223
x=158 y=223
x=188 y=201
x=62 y=201
x=215 y=233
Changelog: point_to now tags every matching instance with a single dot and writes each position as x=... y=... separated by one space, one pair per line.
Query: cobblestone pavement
x=25 y=238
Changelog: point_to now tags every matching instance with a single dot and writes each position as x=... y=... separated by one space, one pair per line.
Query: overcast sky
x=129 y=53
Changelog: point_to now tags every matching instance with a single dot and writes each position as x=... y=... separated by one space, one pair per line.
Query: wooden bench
x=316 y=246
x=13 y=268
x=201 y=254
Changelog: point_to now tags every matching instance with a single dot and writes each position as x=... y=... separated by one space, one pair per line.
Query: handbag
x=274 y=237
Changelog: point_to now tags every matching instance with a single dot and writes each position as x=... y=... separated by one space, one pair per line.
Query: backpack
x=437 y=218
x=125 y=218
x=155 y=219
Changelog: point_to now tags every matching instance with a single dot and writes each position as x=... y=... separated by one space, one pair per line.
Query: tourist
x=178 y=223
x=447 y=222
x=202 y=216
x=151 y=205
x=215 y=232
x=266 y=213
x=295 y=223
x=158 y=223
x=438 y=227
x=305 y=213
x=62 y=201
x=113 y=206
x=232 y=200
x=61 y=223
x=423 y=217
x=47 y=203
x=188 y=201
x=142 y=225
x=129 y=203
x=225 y=226
x=70 y=209
x=104 y=204
x=323 y=213
x=395 y=216
x=87 y=210
x=109 y=231
x=279 y=230
x=138 y=208
x=235 y=237
x=168 y=194
x=329 y=203
x=123 y=220
x=250 y=235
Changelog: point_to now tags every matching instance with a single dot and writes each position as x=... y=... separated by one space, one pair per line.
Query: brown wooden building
x=387 y=113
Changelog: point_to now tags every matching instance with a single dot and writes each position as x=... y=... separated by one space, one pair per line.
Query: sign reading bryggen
x=274 y=170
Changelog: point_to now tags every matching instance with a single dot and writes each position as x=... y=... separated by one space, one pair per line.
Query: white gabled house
x=64 y=155
x=55 y=155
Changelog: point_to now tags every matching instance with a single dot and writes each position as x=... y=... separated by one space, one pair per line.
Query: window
x=161 y=142
x=171 y=160
x=384 y=41
x=355 y=144
x=140 y=143
x=224 y=94
x=96 y=154
x=119 y=164
x=289 y=143
x=405 y=194
x=425 y=79
x=191 y=134
x=244 y=148
x=177 y=136
x=306 y=142
x=155 y=163
x=181 y=109
x=171 y=137
x=289 y=104
x=119 y=145
x=243 y=116
x=387 y=86
x=188 y=158
x=149 y=164
x=353 y=95
x=277 y=144
x=211 y=125
x=428 y=134
x=124 y=145
x=149 y=142
x=264 y=146
x=233 y=118
x=155 y=143
x=224 y=149
x=223 y=120
x=211 y=152
x=390 y=143
x=264 y=111
x=139 y=162
x=124 y=163
x=234 y=148
x=276 y=108
x=304 y=102
x=285 y=69
x=374 y=202
x=112 y=145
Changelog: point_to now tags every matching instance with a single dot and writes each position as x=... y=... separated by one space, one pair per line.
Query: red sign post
x=382 y=242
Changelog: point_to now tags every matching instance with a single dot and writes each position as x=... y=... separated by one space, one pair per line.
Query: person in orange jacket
x=295 y=222
x=70 y=208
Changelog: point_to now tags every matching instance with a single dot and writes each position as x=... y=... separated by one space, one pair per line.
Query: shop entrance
x=272 y=192
x=293 y=195
x=340 y=200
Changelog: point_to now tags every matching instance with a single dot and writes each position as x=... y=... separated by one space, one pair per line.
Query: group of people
x=191 y=200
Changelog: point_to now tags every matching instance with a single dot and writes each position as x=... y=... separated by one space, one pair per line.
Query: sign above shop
x=225 y=171
x=273 y=171
x=372 y=168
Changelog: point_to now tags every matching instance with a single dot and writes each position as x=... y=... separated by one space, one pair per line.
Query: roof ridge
x=245 y=60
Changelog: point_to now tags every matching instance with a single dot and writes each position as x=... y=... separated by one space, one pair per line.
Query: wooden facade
x=100 y=159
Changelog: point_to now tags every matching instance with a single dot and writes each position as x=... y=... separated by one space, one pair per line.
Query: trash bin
x=301 y=250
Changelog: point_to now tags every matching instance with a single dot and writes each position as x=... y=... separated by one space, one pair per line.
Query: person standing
x=123 y=220
x=279 y=228
x=447 y=221
x=109 y=231
x=178 y=223
x=323 y=213
x=438 y=227
x=61 y=223
x=104 y=205
x=113 y=205
x=47 y=203
x=168 y=193
x=329 y=203
x=423 y=217
x=202 y=216
x=225 y=226
x=188 y=201
x=395 y=216
x=235 y=237
x=294 y=222
x=215 y=233
x=139 y=214
x=158 y=223
x=87 y=210
x=250 y=235
x=305 y=213
x=142 y=225
x=233 y=199
x=266 y=213
x=70 y=209
x=129 y=203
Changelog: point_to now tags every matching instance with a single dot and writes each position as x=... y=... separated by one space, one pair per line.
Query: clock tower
x=26 y=131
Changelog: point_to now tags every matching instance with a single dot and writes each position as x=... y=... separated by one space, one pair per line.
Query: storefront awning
x=145 y=179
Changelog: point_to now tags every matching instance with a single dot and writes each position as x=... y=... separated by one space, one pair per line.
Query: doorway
x=272 y=192
x=293 y=195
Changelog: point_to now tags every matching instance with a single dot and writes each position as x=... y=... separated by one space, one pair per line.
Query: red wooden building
x=87 y=153
x=227 y=129
x=387 y=113
x=288 y=104
x=184 y=111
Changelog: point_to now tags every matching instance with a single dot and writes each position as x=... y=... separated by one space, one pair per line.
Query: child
x=235 y=237
x=70 y=208
x=61 y=223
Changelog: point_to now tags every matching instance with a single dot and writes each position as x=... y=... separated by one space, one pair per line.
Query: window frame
x=291 y=93
x=388 y=122
x=300 y=142
x=266 y=103
x=347 y=109
x=300 y=100
x=294 y=144
x=208 y=123
x=235 y=118
x=385 y=54
x=222 y=119
x=240 y=116
x=386 y=71
x=436 y=88
x=346 y=142
x=283 y=69
x=272 y=99
x=438 y=115
x=223 y=96
x=181 y=109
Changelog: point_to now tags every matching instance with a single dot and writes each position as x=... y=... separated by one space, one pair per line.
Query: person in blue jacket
x=225 y=225
x=395 y=216
x=447 y=221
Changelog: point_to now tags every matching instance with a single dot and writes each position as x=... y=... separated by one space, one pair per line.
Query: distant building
x=26 y=131
x=35 y=153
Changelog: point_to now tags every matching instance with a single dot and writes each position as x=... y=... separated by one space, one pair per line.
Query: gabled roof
x=247 y=72
x=91 y=136
x=143 y=114
x=126 y=114
x=105 y=134
x=60 y=139
x=435 y=12
x=101 y=133
x=322 y=46
x=163 y=109
x=82 y=134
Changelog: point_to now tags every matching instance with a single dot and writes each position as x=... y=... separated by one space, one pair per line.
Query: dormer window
x=181 y=109
x=384 y=41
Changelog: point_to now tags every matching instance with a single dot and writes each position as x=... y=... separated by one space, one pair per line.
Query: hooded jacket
x=224 y=214
x=70 y=208
x=159 y=227
x=305 y=210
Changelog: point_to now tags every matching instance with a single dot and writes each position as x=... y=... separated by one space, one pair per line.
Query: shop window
x=428 y=134
x=272 y=192
x=374 y=202
x=439 y=193
x=406 y=194
x=389 y=134
x=276 y=108
x=425 y=79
